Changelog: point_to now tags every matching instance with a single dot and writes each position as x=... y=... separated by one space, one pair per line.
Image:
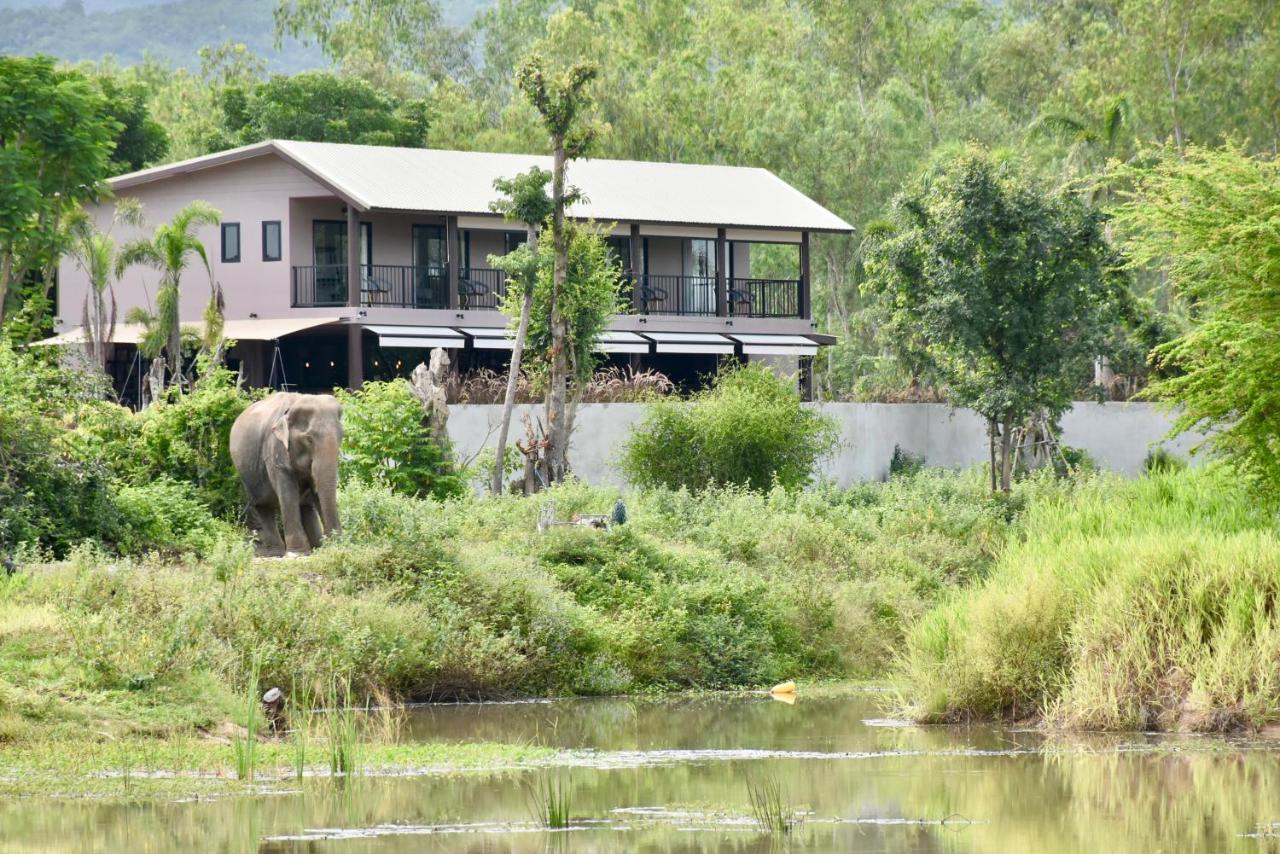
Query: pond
x=677 y=774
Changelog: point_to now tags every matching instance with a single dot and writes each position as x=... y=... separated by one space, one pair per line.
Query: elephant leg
x=289 y=497
x=262 y=519
x=311 y=524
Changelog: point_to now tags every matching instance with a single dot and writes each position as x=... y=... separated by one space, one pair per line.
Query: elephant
x=285 y=448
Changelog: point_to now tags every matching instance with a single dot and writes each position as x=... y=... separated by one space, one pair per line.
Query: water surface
x=674 y=775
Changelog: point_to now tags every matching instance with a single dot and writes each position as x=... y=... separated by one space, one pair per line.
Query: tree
x=169 y=250
x=55 y=144
x=1007 y=289
x=562 y=99
x=141 y=140
x=525 y=200
x=1209 y=218
x=95 y=253
x=318 y=106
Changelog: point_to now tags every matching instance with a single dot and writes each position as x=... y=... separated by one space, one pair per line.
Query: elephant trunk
x=324 y=474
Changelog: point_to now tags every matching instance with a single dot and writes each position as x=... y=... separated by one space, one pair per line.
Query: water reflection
x=672 y=775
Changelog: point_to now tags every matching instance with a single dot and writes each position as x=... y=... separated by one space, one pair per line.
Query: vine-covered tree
x=1007 y=289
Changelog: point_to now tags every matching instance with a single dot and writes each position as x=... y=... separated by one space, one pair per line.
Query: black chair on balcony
x=372 y=290
x=740 y=302
x=471 y=292
x=651 y=295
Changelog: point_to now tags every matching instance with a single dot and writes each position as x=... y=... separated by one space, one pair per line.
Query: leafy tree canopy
x=1004 y=289
x=319 y=106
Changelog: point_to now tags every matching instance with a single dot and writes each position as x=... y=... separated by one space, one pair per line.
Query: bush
x=164 y=516
x=904 y=463
x=1134 y=605
x=748 y=429
x=387 y=438
x=48 y=495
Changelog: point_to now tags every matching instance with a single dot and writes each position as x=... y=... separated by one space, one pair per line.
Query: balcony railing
x=653 y=293
x=480 y=288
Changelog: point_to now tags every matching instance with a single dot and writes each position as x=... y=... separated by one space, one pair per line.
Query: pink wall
x=248 y=192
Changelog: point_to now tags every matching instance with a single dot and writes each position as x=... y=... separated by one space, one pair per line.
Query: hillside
x=168 y=30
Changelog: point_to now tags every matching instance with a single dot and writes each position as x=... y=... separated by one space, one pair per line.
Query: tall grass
x=771 y=807
x=245 y=746
x=342 y=731
x=549 y=800
x=301 y=714
x=1146 y=604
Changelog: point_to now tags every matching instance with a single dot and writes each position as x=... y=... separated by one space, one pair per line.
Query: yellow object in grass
x=784 y=688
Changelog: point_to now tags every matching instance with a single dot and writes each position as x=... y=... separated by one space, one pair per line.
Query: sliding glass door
x=699 y=296
x=329 y=249
x=430 y=271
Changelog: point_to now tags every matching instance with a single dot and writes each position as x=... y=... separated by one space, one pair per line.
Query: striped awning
x=622 y=342
x=776 y=345
x=418 y=336
x=691 y=342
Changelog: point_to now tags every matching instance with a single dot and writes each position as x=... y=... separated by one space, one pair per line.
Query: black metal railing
x=480 y=288
x=388 y=285
x=656 y=293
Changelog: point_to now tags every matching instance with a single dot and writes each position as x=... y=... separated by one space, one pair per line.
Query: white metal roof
x=461 y=182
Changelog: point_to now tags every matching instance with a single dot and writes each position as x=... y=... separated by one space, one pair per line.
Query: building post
x=355 y=332
x=722 y=280
x=455 y=263
x=805 y=285
x=637 y=268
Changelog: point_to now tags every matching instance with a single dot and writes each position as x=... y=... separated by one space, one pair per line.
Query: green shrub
x=748 y=429
x=387 y=438
x=165 y=516
x=904 y=463
x=48 y=495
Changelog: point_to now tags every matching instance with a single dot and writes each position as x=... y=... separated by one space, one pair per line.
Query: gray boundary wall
x=1117 y=435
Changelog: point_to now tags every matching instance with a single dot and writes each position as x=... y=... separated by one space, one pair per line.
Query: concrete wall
x=1117 y=435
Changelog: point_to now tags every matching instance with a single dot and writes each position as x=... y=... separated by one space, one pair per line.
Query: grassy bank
x=1147 y=604
x=465 y=599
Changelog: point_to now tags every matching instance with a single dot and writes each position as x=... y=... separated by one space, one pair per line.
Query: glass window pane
x=271 y=241
x=231 y=241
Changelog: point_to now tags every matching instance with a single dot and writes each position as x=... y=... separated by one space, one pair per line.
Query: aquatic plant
x=342 y=731
x=548 y=800
x=300 y=715
x=771 y=807
x=245 y=746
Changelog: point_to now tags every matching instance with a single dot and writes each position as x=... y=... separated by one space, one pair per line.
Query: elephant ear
x=280 y=429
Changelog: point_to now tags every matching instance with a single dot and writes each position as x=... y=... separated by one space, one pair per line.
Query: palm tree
x=95 y=252
x=169 y=250
x=1091 y=141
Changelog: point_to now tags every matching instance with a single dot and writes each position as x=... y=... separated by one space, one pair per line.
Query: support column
x=805 y=293
x=355 y=332
x=722 y=279
x=455 y=263
x=637 y=267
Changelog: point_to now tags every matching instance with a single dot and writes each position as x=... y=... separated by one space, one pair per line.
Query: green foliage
x=165 y=516
x=999 y=287
x=387 y=438
x=1134 y=605
x=590 y=295
x=748 y=429
x=141 y=141
x=55 y=142
x=1209 y=217
x=904 y=463
x=319 y=106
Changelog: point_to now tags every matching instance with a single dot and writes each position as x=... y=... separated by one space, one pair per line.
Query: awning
x=418 y=336
x=621 y=342
x=246 y=329
x=487 y=338
x=776 y=345
x=691 y=342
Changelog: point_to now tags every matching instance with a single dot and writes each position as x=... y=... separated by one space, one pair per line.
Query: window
x=230 y=242
x=620 y=248
x=513 y=239
x=271 y=240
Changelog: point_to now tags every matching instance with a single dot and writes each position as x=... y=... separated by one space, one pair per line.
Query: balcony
x=390 y=286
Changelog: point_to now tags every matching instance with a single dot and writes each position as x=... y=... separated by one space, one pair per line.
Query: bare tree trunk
x=513 y=375
x=1006 y=455
x=557 y=422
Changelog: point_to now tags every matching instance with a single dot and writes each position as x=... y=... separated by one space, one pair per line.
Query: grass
x=549 y=801
x=244 y=745
x=342 y=729
x=771 y=808
x=1147 y=604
